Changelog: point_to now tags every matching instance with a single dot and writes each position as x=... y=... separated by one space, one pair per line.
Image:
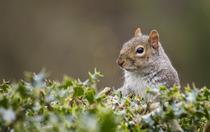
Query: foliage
x=39 y=104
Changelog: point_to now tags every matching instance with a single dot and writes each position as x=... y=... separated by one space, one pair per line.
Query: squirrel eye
x=140 y=50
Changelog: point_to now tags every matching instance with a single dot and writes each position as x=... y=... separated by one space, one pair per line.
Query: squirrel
x=145 y=64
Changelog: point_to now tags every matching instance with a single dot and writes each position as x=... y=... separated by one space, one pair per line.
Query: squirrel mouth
x=130 y=69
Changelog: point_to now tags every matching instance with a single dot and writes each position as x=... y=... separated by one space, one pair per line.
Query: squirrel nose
x=120 y=62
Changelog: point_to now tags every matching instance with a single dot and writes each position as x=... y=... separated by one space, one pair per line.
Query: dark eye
x=140 y=50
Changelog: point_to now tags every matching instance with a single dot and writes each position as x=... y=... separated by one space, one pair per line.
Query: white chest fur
x=134 y=83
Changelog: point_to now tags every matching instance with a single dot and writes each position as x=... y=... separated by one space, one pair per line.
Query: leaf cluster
x=38 y=104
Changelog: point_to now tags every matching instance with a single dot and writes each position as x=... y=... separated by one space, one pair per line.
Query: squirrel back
x=145 y=64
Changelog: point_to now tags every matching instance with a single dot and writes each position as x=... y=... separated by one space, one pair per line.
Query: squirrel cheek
x=147 y=58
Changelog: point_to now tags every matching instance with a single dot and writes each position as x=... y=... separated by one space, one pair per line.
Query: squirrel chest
x=136 y=83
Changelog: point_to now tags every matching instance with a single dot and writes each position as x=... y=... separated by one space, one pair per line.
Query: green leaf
x=107 y=122
x=90 y=95
x=78 y=91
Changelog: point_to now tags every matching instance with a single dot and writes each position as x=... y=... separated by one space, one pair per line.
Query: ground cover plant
x=40 y=104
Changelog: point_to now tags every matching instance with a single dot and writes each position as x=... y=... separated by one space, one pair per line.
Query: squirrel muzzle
x=120 y=62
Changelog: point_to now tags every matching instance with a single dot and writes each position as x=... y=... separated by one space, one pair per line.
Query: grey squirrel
x=145 y=64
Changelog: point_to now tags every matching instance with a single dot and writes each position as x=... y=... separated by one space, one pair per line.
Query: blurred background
x=73 y=37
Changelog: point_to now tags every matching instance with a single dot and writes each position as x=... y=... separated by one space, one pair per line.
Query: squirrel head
x=139 y=52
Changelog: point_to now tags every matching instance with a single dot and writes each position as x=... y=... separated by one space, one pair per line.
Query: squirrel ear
x=154 y=39
x=138 y=32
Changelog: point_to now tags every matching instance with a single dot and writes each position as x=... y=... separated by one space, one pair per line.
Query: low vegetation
x=39 y=104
